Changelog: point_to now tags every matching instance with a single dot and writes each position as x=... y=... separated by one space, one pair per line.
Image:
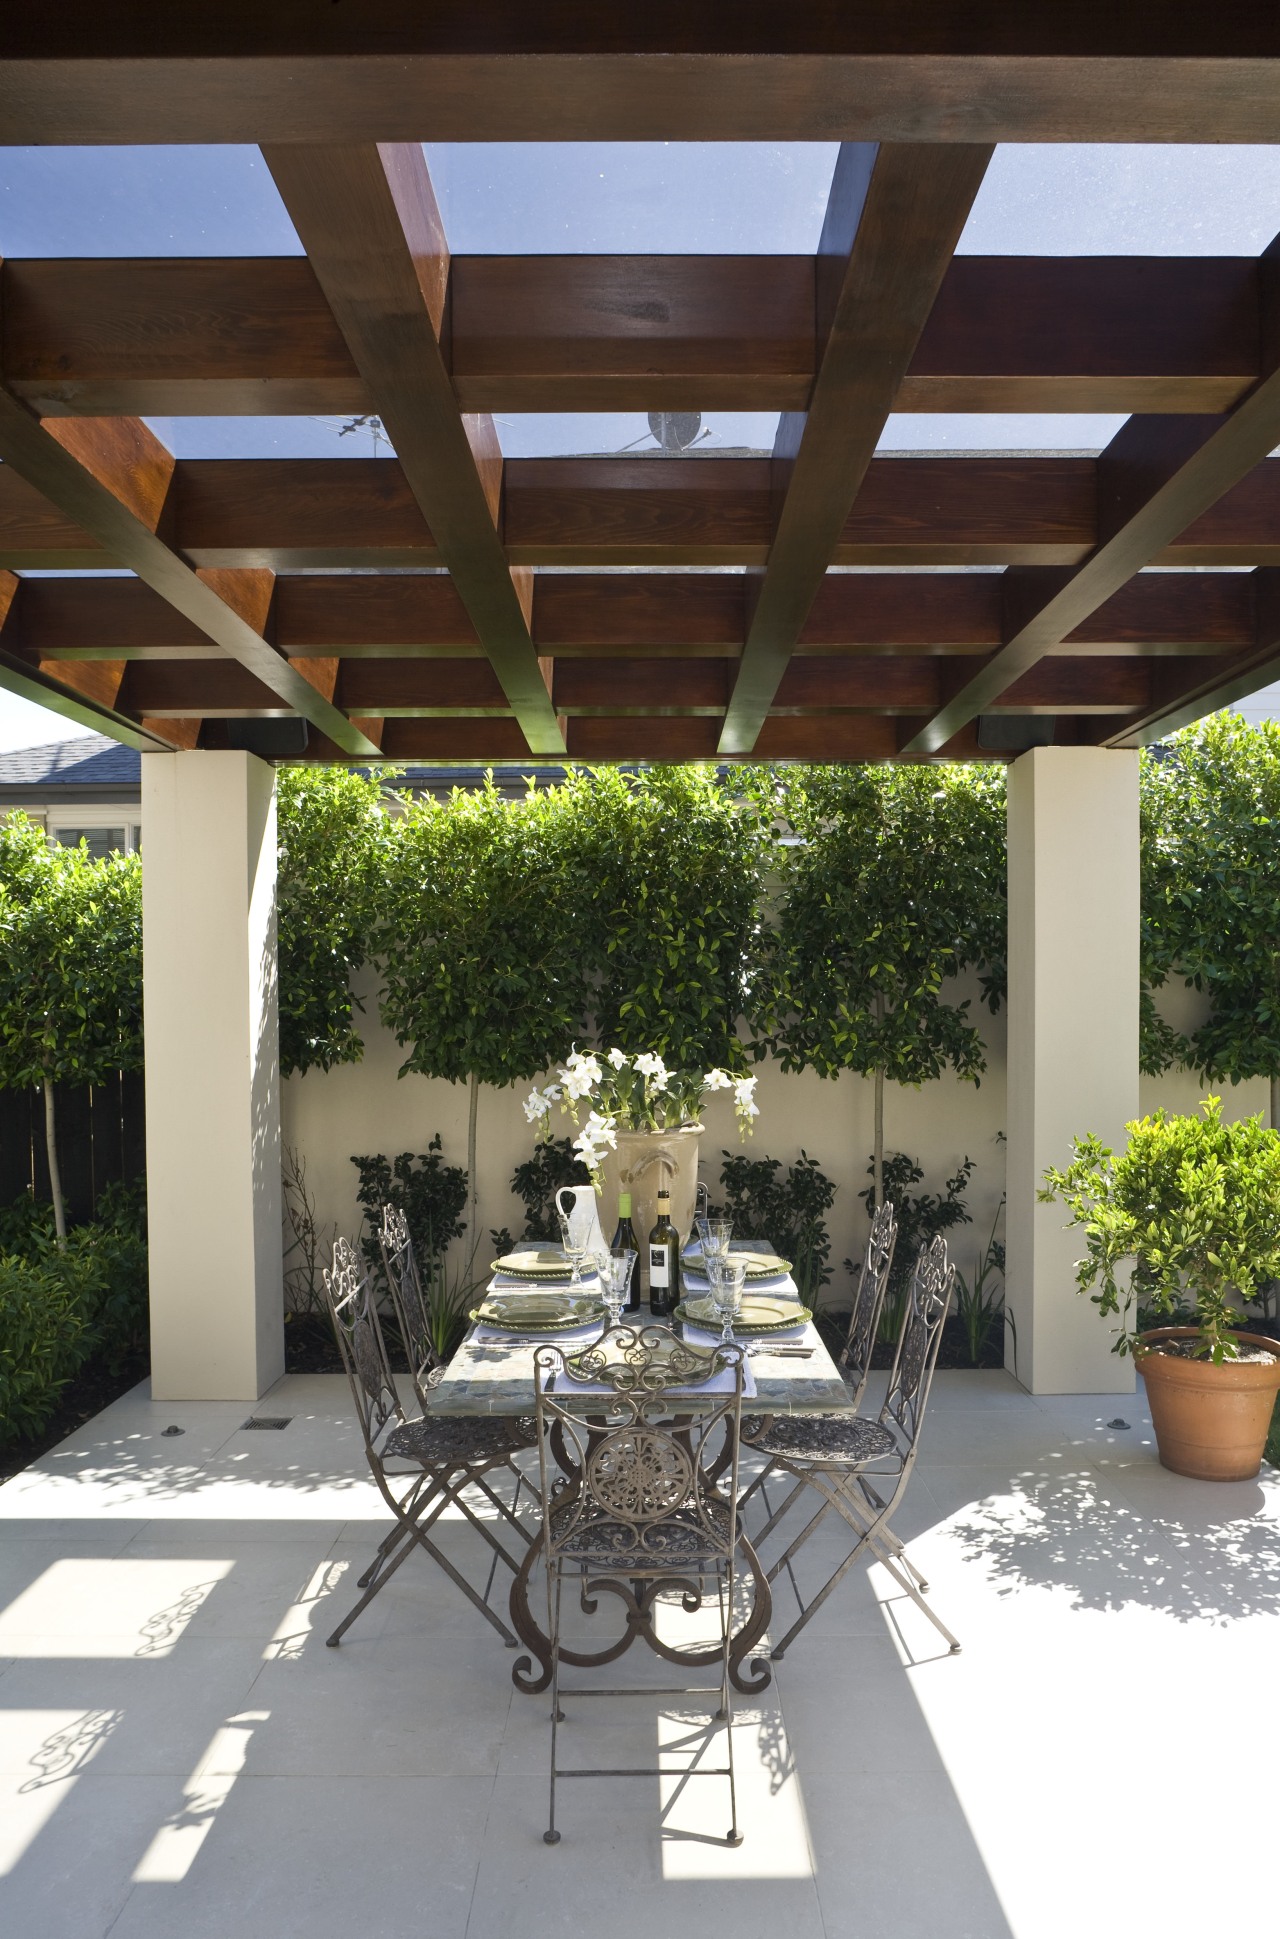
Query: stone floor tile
x=68 y=1850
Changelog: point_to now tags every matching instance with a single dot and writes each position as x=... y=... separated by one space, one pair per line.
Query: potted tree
x=1194 y=1205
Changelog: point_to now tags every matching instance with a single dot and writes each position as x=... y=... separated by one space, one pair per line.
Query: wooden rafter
x=643 y=70
x=369 y=222
x=1155 y=479
x=628 y=333
x=600 y=616
x=306 y=514
x=112 y=477
x=893 y=219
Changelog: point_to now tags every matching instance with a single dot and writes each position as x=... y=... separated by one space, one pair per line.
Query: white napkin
x=721 y=1382
x=506 y=1282
x=698 y=1336
x=488 y=1335
x=782 y=1285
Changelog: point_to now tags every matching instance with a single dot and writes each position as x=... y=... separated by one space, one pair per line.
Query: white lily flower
x=717 y=1080
x=618 y=1058
x=649 y=1064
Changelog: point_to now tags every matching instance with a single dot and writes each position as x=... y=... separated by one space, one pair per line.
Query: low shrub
x=431 y=1194
x=921 y=1216
x=63 y=1306
x=42 y=1339
x=788 y=1209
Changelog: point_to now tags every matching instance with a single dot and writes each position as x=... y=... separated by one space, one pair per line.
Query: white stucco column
x=1073 y=1038
x=212 y=1075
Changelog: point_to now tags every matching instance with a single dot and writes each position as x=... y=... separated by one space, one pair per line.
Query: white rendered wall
x=1073 y=1037
x=212 y=1075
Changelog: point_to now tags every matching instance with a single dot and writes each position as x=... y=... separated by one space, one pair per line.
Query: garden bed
x=84 y=1395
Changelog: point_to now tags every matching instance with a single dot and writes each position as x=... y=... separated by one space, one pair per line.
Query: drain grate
x=267 y=1420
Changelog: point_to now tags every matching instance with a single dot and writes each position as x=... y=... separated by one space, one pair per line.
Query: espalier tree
x=1211 y=897
x=70 y=972
x=478 y=945
x=893 y=885
x=667 y=870
x=333 y=842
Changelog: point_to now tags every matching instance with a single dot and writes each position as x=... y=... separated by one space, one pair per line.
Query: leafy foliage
x=536 y=1182
x=42 y=1324
x=333 y=839
x=70 y=961
x=1194 y=1202
x=667 y=869
x=980 y=1295
x=430 y=1193
x=921 y=1216
x=788 y=1209
x=1211 y=894
x=477 y=941
x=897 y=883
x=61 y=1306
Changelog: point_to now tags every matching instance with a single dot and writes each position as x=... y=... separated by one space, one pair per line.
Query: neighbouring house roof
x=89 y=766
x=94 y=767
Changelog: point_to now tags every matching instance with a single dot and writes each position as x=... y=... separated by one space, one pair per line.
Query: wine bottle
x=624 y=1240
x=664 y=1260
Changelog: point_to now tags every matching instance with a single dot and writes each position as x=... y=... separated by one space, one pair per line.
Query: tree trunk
x=55 y=1176
x=472 y=1114
x=1275 y=1101
x=877 y=1155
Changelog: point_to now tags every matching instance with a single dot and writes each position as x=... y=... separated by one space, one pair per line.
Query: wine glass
x=727 y=1276
x=615 y=1279
x=575 y=1231
x=714 y=1236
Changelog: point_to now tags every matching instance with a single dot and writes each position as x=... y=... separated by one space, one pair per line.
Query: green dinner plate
x=537 y=1312
x=545 y=1264
x=760 y=1313
x=758 y=1265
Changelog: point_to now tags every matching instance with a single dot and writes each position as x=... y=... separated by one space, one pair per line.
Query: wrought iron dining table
x=497 y=1377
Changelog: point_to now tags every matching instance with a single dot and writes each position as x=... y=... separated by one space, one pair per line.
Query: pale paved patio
x=180 y=1755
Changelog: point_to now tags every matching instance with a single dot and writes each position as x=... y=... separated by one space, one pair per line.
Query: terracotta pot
x=1210 y=1422
x=644 y=1160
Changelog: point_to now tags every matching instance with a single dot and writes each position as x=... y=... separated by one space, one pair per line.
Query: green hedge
x=60 y=1307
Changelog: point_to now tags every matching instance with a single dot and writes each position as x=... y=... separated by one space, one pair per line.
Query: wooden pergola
x=420 y=609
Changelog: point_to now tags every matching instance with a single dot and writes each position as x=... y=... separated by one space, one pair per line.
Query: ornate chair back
x=919 y=1341
x=646 y=1501
x=400 y=1264
x=868 y=1298
x=353 y=1309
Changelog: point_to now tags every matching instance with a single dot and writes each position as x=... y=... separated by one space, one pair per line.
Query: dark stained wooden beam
x=65 y=691
x=1158 y=477
x=205 y=337
x=1183 y=693
x=893 y=219
x=663 y=70
x=304 y=515
x=113 y=478
x=368 y=220
x=608 y=616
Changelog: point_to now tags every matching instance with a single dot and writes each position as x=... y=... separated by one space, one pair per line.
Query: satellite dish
x=675 y=430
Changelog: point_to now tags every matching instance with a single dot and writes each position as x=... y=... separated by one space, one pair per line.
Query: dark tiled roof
x=91 y=760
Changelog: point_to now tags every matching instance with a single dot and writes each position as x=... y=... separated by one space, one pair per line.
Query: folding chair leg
x=551 y=1836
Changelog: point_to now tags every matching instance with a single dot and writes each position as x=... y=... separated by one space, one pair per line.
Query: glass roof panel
x=272 y=437
x=192 y=201
x=998 y=431
x=536 y=434
x=631 y=197
x=1125 y=199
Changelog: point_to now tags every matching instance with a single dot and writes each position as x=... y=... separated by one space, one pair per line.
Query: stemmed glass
x=575 y=1230
x=714 y=1236
x=615 y=1281
x=727 y=1276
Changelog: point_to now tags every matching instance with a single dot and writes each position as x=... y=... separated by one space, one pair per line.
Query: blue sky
x=630 y=197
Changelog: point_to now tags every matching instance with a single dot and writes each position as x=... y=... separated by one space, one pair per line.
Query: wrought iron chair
x=861 y=1466
x=642 y=1511
x=421 y=1467
x=854 y=1362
